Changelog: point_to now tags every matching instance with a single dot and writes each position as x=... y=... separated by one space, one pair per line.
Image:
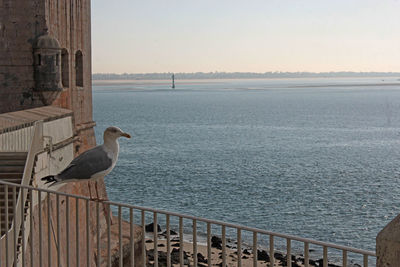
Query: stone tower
x=45 y=59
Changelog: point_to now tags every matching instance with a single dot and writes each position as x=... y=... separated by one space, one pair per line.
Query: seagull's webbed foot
x=102 y=199
x=99 y=199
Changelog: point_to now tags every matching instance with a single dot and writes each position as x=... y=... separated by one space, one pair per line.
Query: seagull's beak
x=126 y=135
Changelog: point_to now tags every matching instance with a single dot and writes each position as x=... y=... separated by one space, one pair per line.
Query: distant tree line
x=237 y=75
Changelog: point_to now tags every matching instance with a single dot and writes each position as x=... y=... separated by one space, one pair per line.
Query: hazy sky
x=137 y=36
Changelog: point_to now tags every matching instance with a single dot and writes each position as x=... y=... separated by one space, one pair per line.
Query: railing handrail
x=231 y=225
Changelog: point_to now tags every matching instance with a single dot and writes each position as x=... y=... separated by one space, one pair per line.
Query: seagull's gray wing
x=86 y=165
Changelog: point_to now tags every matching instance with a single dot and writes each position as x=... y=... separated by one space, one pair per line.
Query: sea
x=317 y=158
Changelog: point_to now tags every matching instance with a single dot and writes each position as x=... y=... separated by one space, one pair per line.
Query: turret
x=47 y=68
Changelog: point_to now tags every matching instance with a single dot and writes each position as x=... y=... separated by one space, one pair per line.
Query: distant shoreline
x=240 y=75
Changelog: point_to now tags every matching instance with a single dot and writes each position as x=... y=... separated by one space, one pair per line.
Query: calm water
x=315 y=158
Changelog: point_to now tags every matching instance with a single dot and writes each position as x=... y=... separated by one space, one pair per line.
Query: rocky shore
x=263 y=257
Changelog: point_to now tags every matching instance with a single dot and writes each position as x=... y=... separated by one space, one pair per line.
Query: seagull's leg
x=90 y=192
x=98 y=196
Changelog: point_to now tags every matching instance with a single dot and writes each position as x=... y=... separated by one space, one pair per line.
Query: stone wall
x=388 y=245
x=69 y=22
x=22 y=22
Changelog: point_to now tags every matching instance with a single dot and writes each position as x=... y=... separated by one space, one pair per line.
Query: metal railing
x=34 y=135
x=62 y=238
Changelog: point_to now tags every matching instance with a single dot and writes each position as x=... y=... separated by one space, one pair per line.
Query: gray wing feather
x=87 y=164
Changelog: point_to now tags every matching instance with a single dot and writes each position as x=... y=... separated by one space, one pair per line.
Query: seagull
x=93 y=163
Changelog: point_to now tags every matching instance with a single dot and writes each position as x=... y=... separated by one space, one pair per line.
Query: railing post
x=388 y=245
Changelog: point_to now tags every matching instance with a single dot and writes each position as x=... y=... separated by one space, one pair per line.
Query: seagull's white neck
x=112 y=145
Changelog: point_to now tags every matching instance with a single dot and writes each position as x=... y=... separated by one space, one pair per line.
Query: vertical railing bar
x=365 y=260
x=239 y=247
x=40 y=228
x=144 y=238
x=77 y=230
x=67 y=228
x=21 y=138
x=194 y=243
x=98 y=232
x=22 y=225
x=306 y=254
x=31 y=225
x=121 y=254
x=48 y=230
x=132 y=237
x=209 y=244
x=6 y=224
x=88 y=233
x=344 y=263
x=325 y=256
x=271 y=250
x=109 y=236
x=223 y=233
x=254 y=249
x=15 y=222
x=168 y=241
x=58 y=231
x=155 y=239
x=289 y=252
x=181 y=241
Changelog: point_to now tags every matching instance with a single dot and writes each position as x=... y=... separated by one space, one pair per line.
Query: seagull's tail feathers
x=50 y=179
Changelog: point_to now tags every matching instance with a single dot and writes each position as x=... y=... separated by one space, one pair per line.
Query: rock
x=175 y=257
x=312 y=262
x=149 y=241
x=162 y=256
x=150 y=228
x=216 y=242
x=246 y=252
x=171 y=232
x=279 y=256
x=161 y=245
x=262 y=255
x=244 y=257
x=175 y=245
x=201 y=258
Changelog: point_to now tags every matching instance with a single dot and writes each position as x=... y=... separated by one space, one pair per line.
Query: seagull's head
x=114 y=133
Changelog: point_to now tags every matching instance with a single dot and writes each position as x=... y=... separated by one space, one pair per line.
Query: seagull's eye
x=114 y=130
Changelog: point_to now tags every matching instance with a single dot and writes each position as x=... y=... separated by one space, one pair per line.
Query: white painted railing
x=188 y=228
x=16 y=138
x=11 y=235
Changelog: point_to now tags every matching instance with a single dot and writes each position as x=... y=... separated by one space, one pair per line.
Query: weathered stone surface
x=216 y=242
x=126 y=251
x=22 y=22
x=388 y=245
x=150 y=228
